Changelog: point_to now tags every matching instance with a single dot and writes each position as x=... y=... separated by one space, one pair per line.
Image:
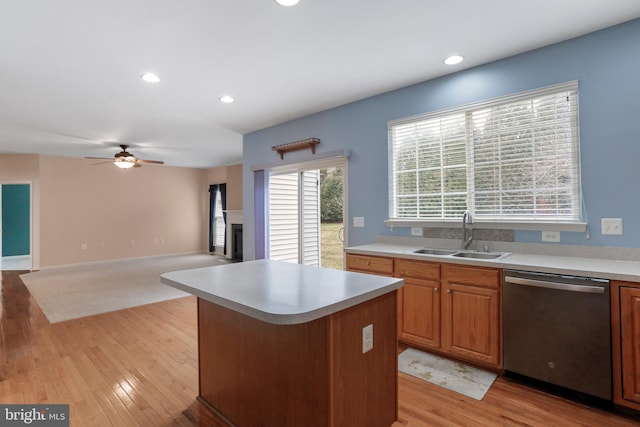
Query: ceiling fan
x=126 y=160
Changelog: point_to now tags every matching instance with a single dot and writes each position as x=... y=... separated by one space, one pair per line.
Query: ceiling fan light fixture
x=124 y=163
x=125 y=160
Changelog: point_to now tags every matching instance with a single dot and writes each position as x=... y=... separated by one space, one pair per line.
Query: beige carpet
x=70 y=292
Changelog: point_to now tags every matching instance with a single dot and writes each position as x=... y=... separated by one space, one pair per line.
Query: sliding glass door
x=305 y=218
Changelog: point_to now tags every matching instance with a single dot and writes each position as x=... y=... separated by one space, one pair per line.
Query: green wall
x=15 y=219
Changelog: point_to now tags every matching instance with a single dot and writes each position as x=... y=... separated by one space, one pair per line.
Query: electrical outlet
x=416 y=231
x=133 y=243
x=550 y=236
x=358 y=222
x=612 y=226
x=367 y=338
x=84 y=246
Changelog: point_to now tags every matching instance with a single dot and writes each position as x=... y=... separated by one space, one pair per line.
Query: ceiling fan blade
x=155 y=162
x=137 y=165
x=102 y=163
x=100 y=158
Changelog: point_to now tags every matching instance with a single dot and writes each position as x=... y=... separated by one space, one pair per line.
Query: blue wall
x=606 y=64
x=15 y=219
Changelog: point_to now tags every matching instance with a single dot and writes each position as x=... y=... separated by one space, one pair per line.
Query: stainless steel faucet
x=467 y=219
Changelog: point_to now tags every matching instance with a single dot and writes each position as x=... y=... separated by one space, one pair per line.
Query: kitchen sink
x=469 y=254
x=477 y=255
x=429 y=251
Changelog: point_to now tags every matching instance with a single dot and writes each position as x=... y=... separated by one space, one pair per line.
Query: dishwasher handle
x=554 y=285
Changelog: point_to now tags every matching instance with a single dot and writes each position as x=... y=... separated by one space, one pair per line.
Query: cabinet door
x=630 y=334
x=419 y=302
x=420 y=321
x=471 y=323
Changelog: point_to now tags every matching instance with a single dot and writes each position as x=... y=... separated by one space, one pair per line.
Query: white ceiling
x=69 y=69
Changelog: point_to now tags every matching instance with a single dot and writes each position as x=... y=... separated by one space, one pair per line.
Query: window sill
x=578 y=227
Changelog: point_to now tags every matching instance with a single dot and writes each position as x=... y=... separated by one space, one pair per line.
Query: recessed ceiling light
x=287 y=2
x=226 y=99
x=453 y=60
x=150 y=77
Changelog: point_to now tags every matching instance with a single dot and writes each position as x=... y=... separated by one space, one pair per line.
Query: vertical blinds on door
x=294 y=217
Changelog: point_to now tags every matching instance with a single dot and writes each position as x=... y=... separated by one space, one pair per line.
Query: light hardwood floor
x=138 y=367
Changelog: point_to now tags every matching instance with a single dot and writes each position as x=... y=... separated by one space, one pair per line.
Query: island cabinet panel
x=625 y=322
x=471 y=313
x=238 y=354
x=310 y=374
x=364 y=388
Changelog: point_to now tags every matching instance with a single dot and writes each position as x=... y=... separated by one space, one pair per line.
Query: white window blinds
x=509 y=159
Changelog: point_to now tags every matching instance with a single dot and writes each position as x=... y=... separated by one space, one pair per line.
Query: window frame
x=578 y=224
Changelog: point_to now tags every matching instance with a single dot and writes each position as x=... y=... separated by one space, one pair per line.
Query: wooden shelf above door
x=304 y=144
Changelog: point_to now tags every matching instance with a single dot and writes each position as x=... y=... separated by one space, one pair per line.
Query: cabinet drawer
x=418 y=269
x=373 y=264
x=474 y=276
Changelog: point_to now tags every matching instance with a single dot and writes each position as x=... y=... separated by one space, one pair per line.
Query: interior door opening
x=15 y=227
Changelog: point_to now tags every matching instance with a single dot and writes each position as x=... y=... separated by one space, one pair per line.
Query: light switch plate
x=358 y=221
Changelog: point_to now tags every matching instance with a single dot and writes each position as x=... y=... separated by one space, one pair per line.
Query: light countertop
x=576 y=266
x=280 y=292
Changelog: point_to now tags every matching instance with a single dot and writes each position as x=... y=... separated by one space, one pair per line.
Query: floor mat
x=452 y=375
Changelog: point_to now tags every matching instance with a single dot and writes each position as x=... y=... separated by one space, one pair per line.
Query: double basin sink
x=460 y=253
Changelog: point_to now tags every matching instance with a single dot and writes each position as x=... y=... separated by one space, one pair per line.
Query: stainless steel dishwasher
x=557 y=329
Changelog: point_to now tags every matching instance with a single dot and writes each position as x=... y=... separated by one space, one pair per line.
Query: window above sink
x=511 y=161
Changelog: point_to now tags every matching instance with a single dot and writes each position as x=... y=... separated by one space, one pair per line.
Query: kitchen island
x=284 y=344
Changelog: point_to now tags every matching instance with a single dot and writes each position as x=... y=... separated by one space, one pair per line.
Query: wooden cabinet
x=419 y=303
x=370 y=264
x=471 y=313
x=625 y=322
x=452 y=309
